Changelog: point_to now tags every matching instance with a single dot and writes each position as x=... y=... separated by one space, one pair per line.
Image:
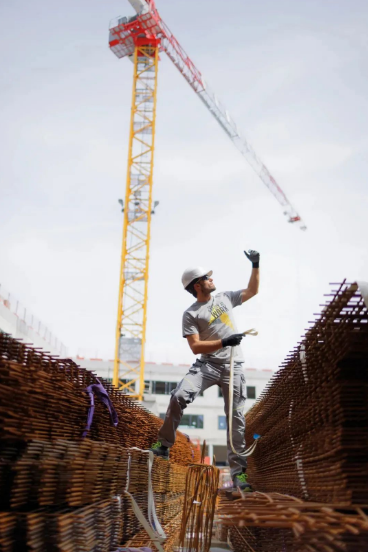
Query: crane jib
x=124 y=33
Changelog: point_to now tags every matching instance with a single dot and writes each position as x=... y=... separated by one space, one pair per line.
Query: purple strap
x=100 y=392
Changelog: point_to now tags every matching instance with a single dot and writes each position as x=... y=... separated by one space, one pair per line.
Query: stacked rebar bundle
x=59 y=491
x=141 y=539
x=276 y=522
x=53 y=391
x=41 y=473
x=193 y=519
x=199 y=508
x=313 y=423
x=91 y=528
x=313 y=416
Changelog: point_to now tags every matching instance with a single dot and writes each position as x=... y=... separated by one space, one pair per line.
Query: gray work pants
x=200 y=377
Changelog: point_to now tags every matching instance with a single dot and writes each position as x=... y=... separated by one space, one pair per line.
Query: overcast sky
x=294 y=77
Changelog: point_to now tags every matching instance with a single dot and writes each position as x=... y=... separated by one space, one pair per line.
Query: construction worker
x=209 y=327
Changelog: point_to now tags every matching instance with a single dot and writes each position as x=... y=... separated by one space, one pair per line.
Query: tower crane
x=141 y=38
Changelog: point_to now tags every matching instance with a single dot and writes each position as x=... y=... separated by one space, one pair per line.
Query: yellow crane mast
x=132 y=304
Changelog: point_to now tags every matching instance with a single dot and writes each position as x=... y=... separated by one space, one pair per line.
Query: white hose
x=251 y=449
x=152 y=526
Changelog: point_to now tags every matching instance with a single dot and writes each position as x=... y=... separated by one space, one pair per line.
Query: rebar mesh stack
x=313 y=416
x=313 y=423
x=42 y=397
x=199 y=507
x=96 y=527
x=275 y=522
x=59 y=491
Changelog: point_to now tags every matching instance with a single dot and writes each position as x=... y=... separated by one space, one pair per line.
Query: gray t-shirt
x=214 y=320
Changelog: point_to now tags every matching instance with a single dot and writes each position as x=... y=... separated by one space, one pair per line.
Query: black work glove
x=232 y=341
x=253 y=256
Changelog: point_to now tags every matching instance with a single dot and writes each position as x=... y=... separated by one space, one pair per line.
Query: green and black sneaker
x=240 y=480
x=160 y=450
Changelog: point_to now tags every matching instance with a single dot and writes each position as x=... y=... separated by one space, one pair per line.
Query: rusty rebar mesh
x=171 y=529
x=95 y=527
x=275 y=522
x=168 y=481
x=41 y=397
x=199 y=508
x=60 y=492
x=313 y=415
x=313 y=422
x=42 y=473
x=188 y=525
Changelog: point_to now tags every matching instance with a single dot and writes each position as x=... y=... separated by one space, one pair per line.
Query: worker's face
x=206 y=285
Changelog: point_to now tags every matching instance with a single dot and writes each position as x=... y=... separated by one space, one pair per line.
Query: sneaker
x=160 y=450
x=240 y=480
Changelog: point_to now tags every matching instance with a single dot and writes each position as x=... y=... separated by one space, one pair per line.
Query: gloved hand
x=232 y=340
x=253 y=256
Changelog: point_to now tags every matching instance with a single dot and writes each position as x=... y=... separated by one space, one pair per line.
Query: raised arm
x=253 y=284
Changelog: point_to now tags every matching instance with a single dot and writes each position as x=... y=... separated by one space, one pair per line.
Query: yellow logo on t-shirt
x=220 y=312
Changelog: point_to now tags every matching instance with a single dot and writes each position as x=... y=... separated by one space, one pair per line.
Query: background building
x=205 y=418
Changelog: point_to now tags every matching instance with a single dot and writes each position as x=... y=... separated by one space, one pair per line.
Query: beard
x=206 y=290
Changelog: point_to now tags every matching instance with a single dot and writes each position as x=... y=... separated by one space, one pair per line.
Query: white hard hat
x=191 y=274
